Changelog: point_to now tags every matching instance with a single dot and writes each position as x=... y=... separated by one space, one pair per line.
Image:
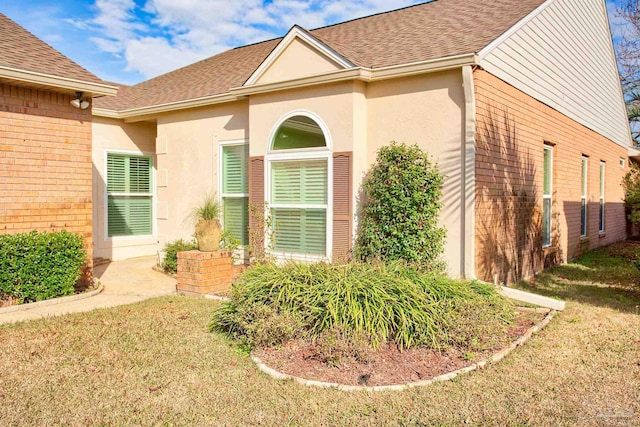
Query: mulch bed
x=387 y=366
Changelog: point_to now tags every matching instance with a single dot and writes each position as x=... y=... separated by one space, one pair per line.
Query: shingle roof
x=22 y=50
x=437 y=29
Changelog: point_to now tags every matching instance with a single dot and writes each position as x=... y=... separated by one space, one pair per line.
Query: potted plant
x=208 y=230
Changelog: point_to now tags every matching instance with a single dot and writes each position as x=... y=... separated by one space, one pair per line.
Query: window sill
x=602 y=234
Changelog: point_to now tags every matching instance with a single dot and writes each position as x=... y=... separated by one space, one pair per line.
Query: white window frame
x=601 y=207
x=221 y=195
x=154 y=198
x=549 y=196
x=584 y=223
x=301 y=154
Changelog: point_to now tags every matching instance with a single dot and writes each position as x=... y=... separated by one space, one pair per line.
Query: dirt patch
x=8 y=301
x=386 y=366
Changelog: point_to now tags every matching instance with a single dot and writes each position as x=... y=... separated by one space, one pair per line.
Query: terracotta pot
x=208 y=235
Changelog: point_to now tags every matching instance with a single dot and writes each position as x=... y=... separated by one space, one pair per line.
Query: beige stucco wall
x=360 y=118
x=426 y=110
x=332 y=103
x=297 y=60
x=187 y=161
x=115 y=135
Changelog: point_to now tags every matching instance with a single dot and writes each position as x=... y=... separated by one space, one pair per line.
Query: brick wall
x=206 y=272
x=512 y=129
x=45 y=164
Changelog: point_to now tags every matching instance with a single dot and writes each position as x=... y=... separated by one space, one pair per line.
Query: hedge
x=37 y=266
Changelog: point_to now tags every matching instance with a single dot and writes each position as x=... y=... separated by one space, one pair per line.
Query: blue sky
x=128 y=41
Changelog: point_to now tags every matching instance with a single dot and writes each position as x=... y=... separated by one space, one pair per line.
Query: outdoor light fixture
x=79 y=103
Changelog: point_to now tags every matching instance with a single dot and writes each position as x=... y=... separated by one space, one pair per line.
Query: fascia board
x=33 y=77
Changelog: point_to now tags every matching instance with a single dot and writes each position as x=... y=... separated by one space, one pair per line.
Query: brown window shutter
x=342 y=206
x=256 y=205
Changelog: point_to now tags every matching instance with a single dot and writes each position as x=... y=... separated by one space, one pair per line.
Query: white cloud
x=154 y=55
x=181 y=32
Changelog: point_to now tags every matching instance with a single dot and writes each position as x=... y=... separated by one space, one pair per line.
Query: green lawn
x=154 y=363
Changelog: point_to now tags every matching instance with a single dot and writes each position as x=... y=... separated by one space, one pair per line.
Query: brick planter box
x=206 y=272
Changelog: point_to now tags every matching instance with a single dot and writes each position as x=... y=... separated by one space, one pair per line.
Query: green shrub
x=399 y=214
x=631 y=185
x=171 y=249
x=37 y=266
x=382 y=303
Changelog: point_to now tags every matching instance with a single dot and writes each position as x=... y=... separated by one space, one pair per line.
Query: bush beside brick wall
x=512 y=129
x=45 y=164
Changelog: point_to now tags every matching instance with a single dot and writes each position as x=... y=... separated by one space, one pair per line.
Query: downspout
x=468 y=190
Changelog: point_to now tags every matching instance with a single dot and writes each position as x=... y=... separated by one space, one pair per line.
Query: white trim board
x=512 y=30
x=56 y=81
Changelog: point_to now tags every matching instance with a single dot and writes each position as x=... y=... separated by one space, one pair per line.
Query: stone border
x=401 y=387
x=215 y=297
x=54 y=301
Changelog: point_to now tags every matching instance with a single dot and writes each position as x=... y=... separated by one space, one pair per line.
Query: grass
x=155 y=363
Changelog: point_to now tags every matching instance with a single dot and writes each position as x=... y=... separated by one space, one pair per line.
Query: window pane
x=602 y=176
x=129 y=216
x=116 y=173
x=236 y=217
x=302 y=182
x=583 y=217
x=298 y=132
x=547 y=172
x=300 y=231
x=235 y=160
x=139 y=174
x=584 y=176
x=583 y=198
x=546 y=222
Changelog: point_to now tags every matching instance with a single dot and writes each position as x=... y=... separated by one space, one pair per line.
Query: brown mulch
x=386 y=366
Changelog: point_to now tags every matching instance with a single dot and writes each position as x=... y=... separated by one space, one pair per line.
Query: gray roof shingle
x=22 y=50
x=437 y=29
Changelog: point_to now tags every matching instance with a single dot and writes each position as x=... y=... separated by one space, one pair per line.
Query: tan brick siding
x=512 y=129
x=45 y=164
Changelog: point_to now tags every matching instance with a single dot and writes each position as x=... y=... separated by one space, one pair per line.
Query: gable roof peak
x=299 y=32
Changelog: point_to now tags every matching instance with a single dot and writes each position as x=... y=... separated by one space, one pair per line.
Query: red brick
x=512 y=129
x=205 y=272
x=40 y=131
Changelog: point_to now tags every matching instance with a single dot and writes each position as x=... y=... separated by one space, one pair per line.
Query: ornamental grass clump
x=385 y=304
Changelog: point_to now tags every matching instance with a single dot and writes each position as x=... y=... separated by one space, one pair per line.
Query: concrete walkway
x=124 y=282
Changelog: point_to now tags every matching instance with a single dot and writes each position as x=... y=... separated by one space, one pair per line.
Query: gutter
x=33 y=77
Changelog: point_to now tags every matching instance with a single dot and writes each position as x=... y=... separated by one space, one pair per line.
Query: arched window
x=299 y=163
x=298 y=132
